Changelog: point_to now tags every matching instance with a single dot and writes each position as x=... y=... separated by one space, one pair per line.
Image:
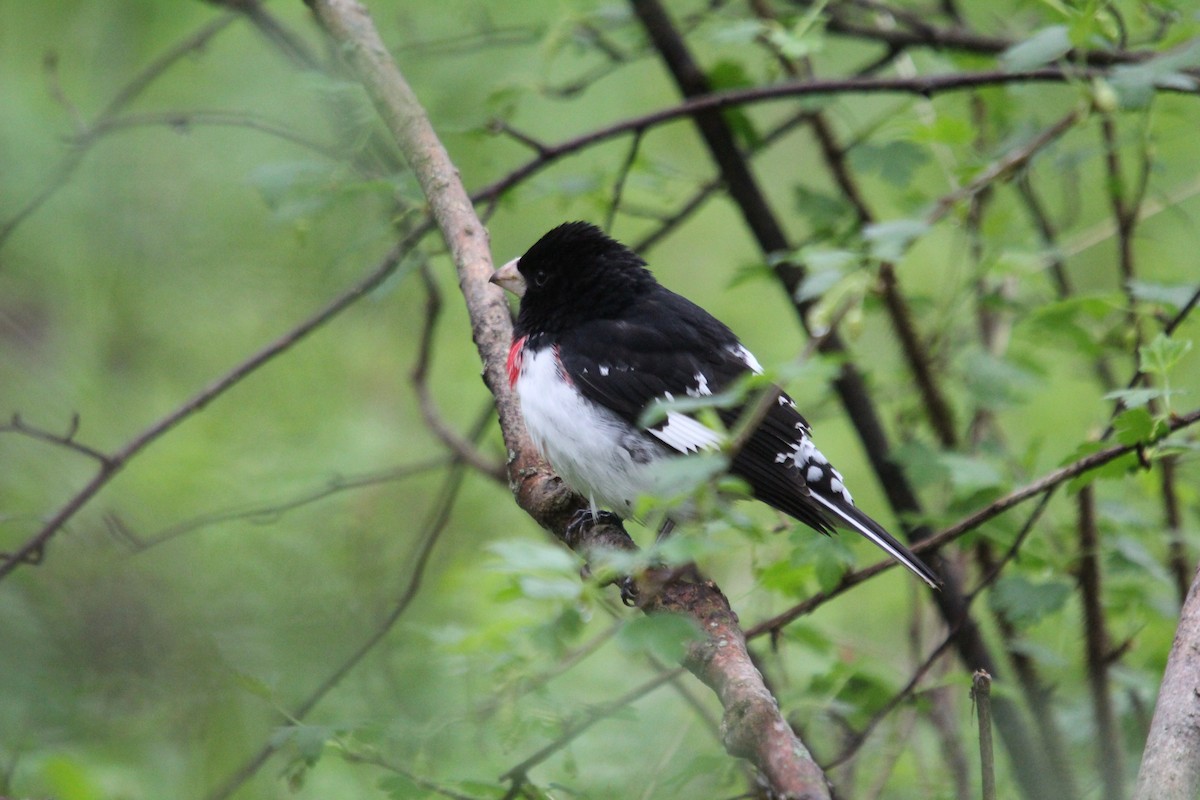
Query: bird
x=598 y=340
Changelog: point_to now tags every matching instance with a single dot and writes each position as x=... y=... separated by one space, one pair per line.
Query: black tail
x=851 y=517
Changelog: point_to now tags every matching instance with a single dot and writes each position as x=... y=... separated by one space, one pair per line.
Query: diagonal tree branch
x=852 y=390
x=754 y=727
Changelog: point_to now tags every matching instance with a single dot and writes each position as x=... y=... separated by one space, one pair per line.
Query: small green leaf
x=521 y=555
x=1023 y=602
x=554 y=587
x=970 y=474
x=398 y=787
x=666 y=636
x=1135 y=84
x=67 y=779
x=1134 y=398
x=896 y=161
x=887 y=241
x=1163 y=353
x=1044 y=46
x=1134 y=426
x=816 y=283
x=825 y=212
x=1174 y=295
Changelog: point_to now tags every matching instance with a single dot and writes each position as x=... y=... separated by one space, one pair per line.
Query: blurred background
x=178 y=189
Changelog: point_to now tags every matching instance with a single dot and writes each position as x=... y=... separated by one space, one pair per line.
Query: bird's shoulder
x=662 y=346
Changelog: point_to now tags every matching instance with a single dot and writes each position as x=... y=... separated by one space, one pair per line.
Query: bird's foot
x=585 y=518
x=629 y=591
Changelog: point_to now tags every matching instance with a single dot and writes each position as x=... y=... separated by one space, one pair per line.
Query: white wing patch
x=681 y=432
x=746 y=357
x=701 y=388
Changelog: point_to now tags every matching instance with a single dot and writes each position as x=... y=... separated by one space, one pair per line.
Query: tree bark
x=753 y=727
x=1171 y=762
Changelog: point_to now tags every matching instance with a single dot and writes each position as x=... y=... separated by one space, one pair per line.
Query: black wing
x=666 y=347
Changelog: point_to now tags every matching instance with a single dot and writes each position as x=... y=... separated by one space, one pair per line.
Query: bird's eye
x=540 y=277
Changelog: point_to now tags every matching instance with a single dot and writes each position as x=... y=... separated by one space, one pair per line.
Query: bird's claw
x=629 y=591
x=586 y=518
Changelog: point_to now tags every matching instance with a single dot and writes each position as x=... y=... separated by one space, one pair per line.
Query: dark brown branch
x=1096 y=646
x=925 y=86
x=917 y=32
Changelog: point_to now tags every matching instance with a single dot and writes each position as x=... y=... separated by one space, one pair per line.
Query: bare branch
x=981 y=692
x=431 y=531
x=66 y=440
x=1096 y=645
x=458 y=444
x=33 y=548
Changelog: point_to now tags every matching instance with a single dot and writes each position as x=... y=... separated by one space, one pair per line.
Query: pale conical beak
x=508 y=278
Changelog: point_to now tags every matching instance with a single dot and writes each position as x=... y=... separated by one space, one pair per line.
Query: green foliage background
x=175 y=250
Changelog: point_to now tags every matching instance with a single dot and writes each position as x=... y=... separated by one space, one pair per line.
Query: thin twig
x=35 y=545
x=431 y=531
x=981 y=693
x=966 y=525
x=66 y=440
x=419 y=376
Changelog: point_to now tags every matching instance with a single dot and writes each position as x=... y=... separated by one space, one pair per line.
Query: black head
x=574 y=273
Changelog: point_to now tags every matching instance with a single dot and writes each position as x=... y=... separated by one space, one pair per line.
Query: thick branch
x=753 y=725
x=1171 y=762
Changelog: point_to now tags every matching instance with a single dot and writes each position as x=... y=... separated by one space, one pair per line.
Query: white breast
x=597 y=453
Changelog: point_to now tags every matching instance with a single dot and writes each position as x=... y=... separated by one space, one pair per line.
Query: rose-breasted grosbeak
x=598 y=340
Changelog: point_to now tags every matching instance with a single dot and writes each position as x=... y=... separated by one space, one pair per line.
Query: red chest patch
x=516 y=353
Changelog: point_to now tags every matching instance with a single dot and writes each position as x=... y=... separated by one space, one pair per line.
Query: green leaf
x=1175 y=295
x=1135 y=398
x=816 y=283
x=826 y=213
x=666 y=636
x=524 y=555
x=970 y=474
x=1162 y=354
x=1133 y=426
x=1135 y=84
x=1023 y=602
x=398 y=787
x=887 y=241
x=996 y=382
x=540 y=587
x=1047 y=45
x=896 y=161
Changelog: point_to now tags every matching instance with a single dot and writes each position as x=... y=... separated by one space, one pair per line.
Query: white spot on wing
x=701 y=388
x=604 y=370
x=746 y=358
